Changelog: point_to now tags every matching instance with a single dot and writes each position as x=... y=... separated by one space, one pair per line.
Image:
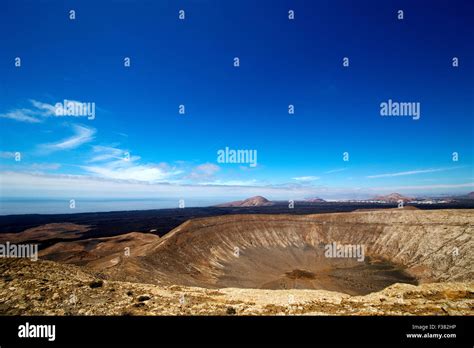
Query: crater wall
x=267 y=251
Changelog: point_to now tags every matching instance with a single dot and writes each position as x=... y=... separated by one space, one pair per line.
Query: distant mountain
x=257 y=201
x=392 y=198
x=314 y=200
x=468 y=196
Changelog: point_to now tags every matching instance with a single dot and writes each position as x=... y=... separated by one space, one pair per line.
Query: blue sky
x=190 y=62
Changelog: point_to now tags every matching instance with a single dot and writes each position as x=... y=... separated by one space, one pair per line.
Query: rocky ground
x=50 y=288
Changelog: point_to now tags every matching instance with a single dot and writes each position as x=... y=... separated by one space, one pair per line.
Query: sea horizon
x=25 y=206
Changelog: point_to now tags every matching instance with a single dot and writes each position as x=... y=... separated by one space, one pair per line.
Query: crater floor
x=308 y=268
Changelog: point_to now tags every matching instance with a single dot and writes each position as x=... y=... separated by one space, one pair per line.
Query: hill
x=256 y=201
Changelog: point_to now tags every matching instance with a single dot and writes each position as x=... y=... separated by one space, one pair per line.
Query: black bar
x=230 y=330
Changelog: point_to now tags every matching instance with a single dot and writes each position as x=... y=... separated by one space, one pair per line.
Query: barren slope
x=99 y=253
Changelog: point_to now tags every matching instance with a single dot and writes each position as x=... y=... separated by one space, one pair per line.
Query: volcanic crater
x=254 y=265
x=288 y=251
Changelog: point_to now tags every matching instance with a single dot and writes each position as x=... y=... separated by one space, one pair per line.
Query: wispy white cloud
x=105 y=153
x=208 y=168
x=33 y=114
x=43 y=109
x=38 y=110
x=147 y=173
x=111 y=162
x=411 y=172
x=306 y=178
x=21 y=115
x=204 y=171
x=251 y=182
x=45 y=166
x=7 y=154
x=335 y=171
x=18 y=184
x=114 y=165
x=82 y=135
x=417 y=188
